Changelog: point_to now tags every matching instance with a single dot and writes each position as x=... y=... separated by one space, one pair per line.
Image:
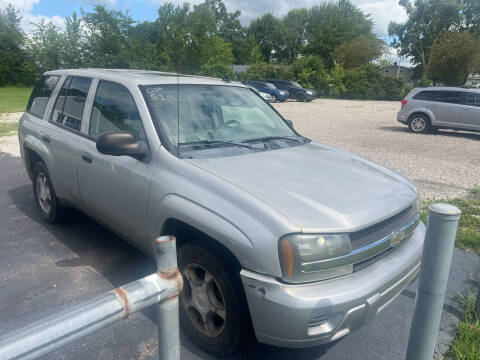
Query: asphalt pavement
x=45 y=268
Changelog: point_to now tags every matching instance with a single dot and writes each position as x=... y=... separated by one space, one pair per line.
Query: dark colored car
x=295 y=90
x=278 y=95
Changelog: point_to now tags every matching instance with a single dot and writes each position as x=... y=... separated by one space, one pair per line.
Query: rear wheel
x=46 y=200
x=419 y=123
x=213 y=309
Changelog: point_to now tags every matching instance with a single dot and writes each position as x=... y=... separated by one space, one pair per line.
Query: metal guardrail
x=55 y=331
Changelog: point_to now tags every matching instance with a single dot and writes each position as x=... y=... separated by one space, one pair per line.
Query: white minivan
x=425 y=109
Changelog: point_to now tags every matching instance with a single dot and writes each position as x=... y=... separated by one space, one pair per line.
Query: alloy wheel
x=418 y=124
x=203 y=300
x=44 y=196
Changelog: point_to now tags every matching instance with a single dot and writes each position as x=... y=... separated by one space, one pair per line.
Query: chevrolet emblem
x=397 y=236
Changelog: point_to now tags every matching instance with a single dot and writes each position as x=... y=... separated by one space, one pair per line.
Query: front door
x=470 y=115
x=115 y=189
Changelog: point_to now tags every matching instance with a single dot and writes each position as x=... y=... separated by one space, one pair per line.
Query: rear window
x=425 y=95
x=472 y=99
x=41 y=94
x=68 y=110
x=452 y=97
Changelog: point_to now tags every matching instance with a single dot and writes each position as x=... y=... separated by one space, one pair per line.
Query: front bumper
x=306 y=315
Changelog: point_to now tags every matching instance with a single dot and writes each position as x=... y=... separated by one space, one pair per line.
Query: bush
x=262 y=71
x=220 y=71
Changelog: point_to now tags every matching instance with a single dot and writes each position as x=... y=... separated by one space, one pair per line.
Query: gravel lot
x=443 y=164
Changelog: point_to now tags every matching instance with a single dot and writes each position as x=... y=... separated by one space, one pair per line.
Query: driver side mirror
x=121 y=143
x=289 y=122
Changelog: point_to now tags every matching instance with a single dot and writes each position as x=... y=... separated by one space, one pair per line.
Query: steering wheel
x=230 y=122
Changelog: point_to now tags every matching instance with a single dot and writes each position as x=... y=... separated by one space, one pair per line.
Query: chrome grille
x=383 y=228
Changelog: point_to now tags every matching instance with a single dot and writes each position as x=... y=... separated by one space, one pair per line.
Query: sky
x=32 y=11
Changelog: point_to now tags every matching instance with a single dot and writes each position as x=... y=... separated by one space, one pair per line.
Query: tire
x=275 y=98
x=302 y=97
x=45 y=198
x=419 y=123
x=221 y=331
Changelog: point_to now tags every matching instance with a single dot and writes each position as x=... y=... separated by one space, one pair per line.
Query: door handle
x=46 y=138
x=87 y=157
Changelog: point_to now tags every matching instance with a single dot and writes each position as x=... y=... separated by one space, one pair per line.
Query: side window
x=425 y=95
x=452 y=97
x=68 y=110
x=114 y=110
x=40 y=95
x=472 y=99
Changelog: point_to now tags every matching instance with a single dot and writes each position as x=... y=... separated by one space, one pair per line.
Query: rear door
x=447 y=107
x=62 y=133
x=470 y=115
x=115 y=189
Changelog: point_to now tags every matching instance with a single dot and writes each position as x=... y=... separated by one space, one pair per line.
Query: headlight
x=300 y=255
x=309 y=92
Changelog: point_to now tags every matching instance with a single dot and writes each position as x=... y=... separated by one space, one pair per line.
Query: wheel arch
x=31 y=158
x=426 y=113
x=185 y=233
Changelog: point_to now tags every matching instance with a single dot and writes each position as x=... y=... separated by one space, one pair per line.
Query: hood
x=317 y=187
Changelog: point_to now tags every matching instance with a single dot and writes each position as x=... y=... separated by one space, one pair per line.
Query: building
x=473 y=80
x=398 y=71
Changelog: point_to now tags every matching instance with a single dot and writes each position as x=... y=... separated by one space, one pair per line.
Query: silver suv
x=425 y=109
x=298 y=241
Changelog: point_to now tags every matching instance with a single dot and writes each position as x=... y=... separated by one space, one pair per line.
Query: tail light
x=404 y=102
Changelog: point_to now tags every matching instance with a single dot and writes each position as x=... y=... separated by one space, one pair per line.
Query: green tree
x=309 y=71
x=46 y=46
x=331 y=24
x=229 y=28
x=359 y=51
x=471 y=11
x=73 y=42
x=454 y=58
x=263 y=30
x=289 y=37
x=15 y=65
x=255 y=55
x=107 y=33
x=427 y=21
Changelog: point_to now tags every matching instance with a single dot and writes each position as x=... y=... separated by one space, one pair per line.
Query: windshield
x=270 y=86
x=296 y=85
x=212 y=114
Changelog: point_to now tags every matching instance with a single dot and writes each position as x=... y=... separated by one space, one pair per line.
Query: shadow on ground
x=120 y=263
x=440 y=132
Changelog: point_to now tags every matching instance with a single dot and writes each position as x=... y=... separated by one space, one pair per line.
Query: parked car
x=296 y=240
x=295 y=90
x=263 y=95
x=266 y=96
x=426 y=109
x=266 y=87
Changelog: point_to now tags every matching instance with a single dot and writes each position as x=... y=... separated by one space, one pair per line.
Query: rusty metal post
x=167 y=311
x=436 y=261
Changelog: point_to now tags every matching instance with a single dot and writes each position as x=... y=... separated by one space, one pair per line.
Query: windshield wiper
x=274 y=137
x=208 y=142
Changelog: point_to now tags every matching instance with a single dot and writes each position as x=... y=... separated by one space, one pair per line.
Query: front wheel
x=213 y=309
x=419 y=124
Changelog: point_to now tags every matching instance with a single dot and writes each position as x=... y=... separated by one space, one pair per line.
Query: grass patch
x=14 y=98
x=468 y=234
x=466 y=344
x=9 y=128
